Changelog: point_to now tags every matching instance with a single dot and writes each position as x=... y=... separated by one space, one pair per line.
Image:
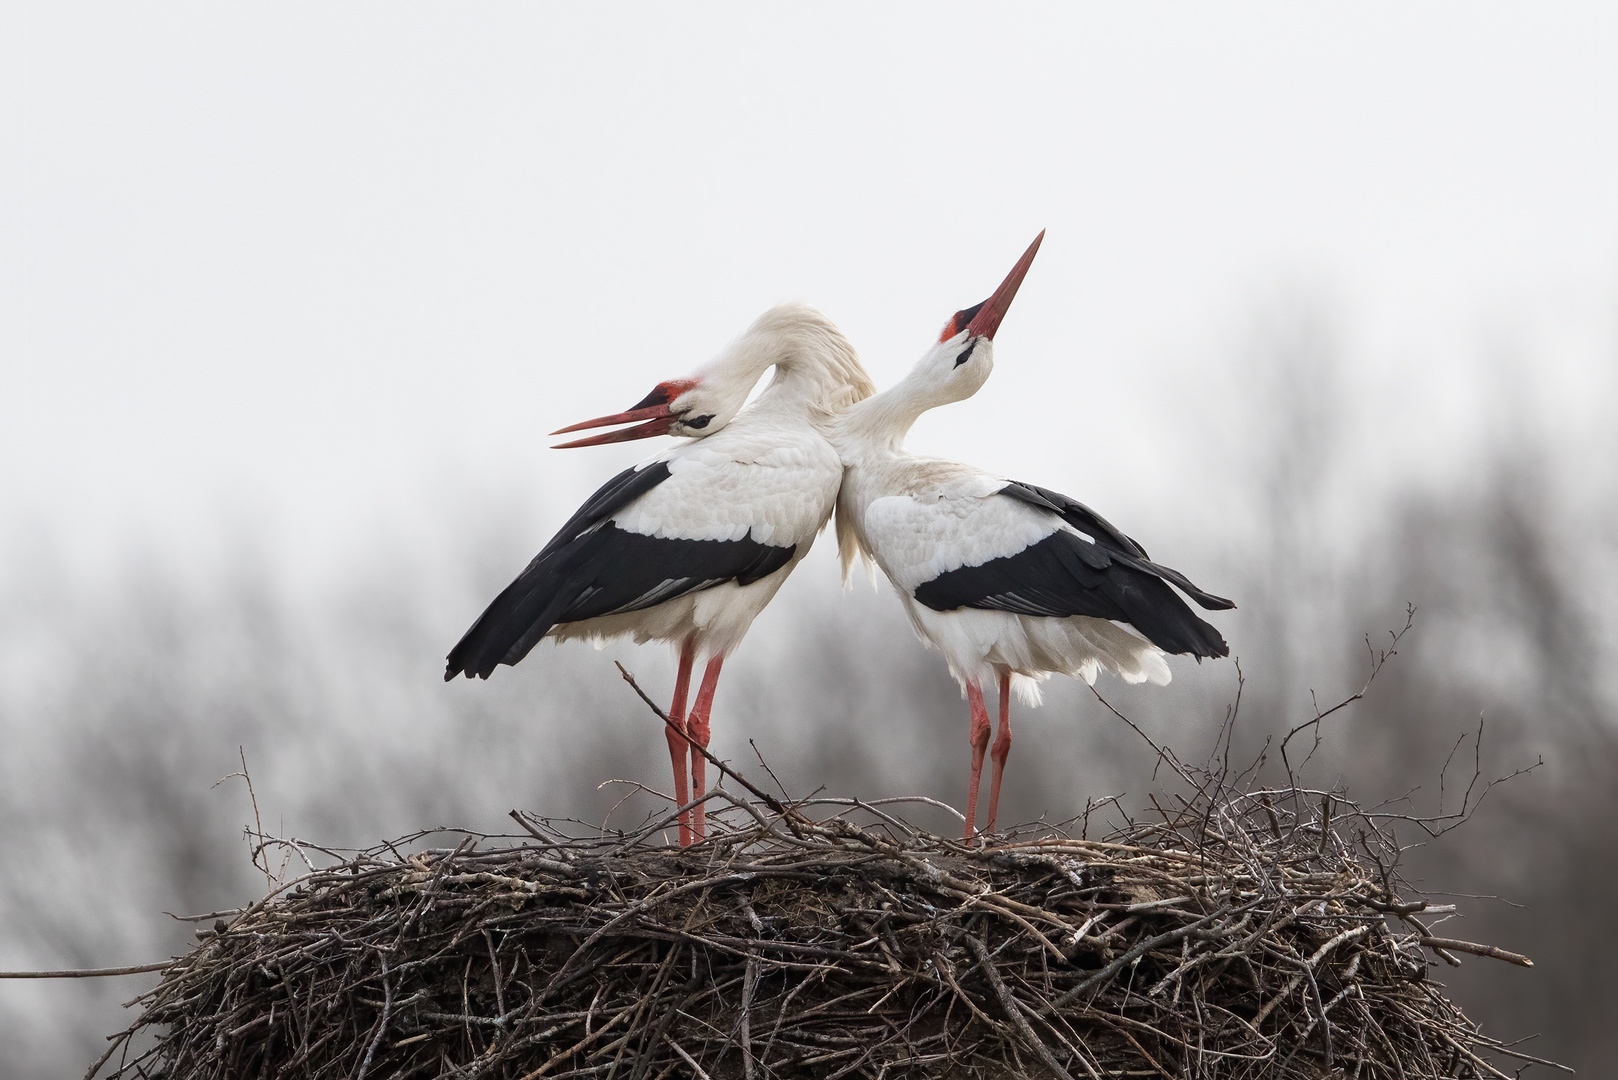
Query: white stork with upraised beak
x=690 y=546
x=1005 y=579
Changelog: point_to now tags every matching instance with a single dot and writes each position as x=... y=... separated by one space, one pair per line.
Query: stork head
x=690 y=407
x=814 y=365
x=957 y=367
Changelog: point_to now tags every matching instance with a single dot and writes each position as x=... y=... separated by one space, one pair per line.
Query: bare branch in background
x=1379 y=657
x=256 y=838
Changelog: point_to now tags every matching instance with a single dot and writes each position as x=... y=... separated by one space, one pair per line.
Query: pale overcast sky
x=322 y=269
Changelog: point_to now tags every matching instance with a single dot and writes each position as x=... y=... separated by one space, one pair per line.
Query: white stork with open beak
x=690 y=546
x=1001 y=577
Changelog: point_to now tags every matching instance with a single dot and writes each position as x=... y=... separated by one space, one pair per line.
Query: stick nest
x=1244 y=934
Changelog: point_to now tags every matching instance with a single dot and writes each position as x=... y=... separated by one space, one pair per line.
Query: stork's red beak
x=653 y=409
x=989 y=313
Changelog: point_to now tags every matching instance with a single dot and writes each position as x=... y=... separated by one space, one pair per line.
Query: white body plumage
x=920 y=518
x=762 y=478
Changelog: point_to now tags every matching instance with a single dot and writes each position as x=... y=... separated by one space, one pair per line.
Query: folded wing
x=593 y=567
x=1088 y=569
x=1086 y=520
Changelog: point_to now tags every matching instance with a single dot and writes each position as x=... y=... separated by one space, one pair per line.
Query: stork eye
x=966 y=353
x=698 y=422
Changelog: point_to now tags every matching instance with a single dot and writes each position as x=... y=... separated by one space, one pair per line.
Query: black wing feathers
x=593 y=568
x=1086 y=520
x=611 y=497
x=1065 y=575
x=1076 y=514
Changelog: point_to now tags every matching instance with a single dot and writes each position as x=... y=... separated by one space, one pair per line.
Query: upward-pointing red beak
x=987 y=320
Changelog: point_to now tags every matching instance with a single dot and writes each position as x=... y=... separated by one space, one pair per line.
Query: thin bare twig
x=90 y=973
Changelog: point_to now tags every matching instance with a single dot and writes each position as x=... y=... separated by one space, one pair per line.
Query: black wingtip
x=1199 y=639
x=1218 y=649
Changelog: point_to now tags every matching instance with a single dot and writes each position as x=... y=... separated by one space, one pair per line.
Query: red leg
x=1002 y=747
x=677 y=737
x=979 y=740
x=700 y=729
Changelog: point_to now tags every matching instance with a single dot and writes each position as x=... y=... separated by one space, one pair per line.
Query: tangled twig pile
x=1245 y=933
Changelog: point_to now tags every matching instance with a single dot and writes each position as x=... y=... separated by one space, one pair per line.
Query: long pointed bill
x=653 y=409
x=658 y=422
x=992 y=310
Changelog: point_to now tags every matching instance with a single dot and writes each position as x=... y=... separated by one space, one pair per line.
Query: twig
x=1379 y=659
x=258 y=825
x=382 y=1021
x=1013 y=1013
x=767 y=799
x=1475 y=949
x=90 y=973
x=1308 y=969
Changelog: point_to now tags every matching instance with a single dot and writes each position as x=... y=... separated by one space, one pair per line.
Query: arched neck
x=881 y=422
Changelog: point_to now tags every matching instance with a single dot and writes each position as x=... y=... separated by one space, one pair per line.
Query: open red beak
x=992 y=310
x=653 y=409
x=658 y=421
